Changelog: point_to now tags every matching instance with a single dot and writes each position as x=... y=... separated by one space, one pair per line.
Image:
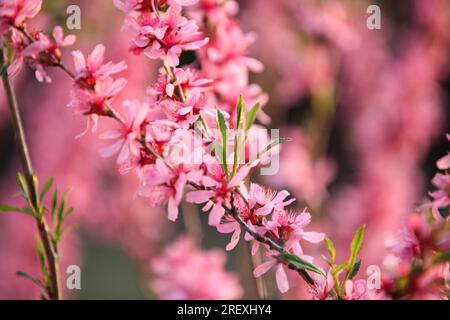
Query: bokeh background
x=367 y=109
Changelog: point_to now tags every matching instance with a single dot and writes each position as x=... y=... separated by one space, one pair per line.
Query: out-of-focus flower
x=17 y=12
x=355 y=290
x=185 y=272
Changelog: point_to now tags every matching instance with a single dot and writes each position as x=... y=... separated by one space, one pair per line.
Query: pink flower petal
x=216 y=214
x=264 y=267
x=199 y=196
x=172 y=208
x=282 y=280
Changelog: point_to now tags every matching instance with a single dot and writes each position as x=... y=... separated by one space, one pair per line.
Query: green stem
x=54 y=291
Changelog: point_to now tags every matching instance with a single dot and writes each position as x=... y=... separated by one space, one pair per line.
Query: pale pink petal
x=240 y=176
x=444 y=163
x=234 y=239
x=110 y=150
x=216 y=214
x=111 y=134
x=79 y=61
x=172 y=209
x=226 y=227
x=282 y=280
x=199 y=196
x=69 y=40
x=95 y=59
x=264 y=267
x=58 y=35
x=314 y=237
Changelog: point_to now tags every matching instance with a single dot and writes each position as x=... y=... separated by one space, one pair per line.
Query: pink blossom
x=323 y=286
x=220 y=192
x=260 y=203
x=289 y=227
x=355 y=290
x=441 y=197
x=165 y=35
x=127 y=136
x=444 y=162
x=17 y=12
x=132 y=5
x=173 y=179
x=94 y=103
x=185 y=272
x=215 y=11
x=90 y=69
x=46 y=52
x=230 y=45
x=186 y=2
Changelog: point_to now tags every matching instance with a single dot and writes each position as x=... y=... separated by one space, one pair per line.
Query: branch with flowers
x=193 y=137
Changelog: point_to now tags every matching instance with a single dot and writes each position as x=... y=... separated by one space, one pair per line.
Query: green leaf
x=36 y=188
x=442 y=257
x=301 y=264
x=54 y=204
x=8 y=208
x=41 y=254
x=269 y=147
x=3 y=69
x=339 y=268
x=355 y=246
x=239 y=136
x=32 y=278
x=331 y=250
x=240 y=112
x=224 y=135
x=48 y=184
x=354 y=270
x=23 y=185
x=251 y=116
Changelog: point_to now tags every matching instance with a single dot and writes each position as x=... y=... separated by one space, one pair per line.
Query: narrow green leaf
x=42 y=262
x=355 y=246
x=239 y=136
x=442 y=257
x=62 y=207
x=36 y=188
x=224 y=135
x=269 y=147
x=240 y=108
x=48 y=184
x=339 y=268
x=354 y=270
x=8 y=208
x=251 y=116
x=23 y=185
x=34 y=279
x=3 y=69
x=54 y=204
x=301 y=264
x=331 y=250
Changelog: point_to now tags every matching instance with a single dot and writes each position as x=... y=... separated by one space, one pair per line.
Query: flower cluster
x=189 y=131
x=441 y=197
x=37 y=49
x=418 y=264
x=179 y=273
x=193 y=132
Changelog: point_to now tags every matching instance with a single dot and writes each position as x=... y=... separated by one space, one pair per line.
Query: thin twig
x=49 y=249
